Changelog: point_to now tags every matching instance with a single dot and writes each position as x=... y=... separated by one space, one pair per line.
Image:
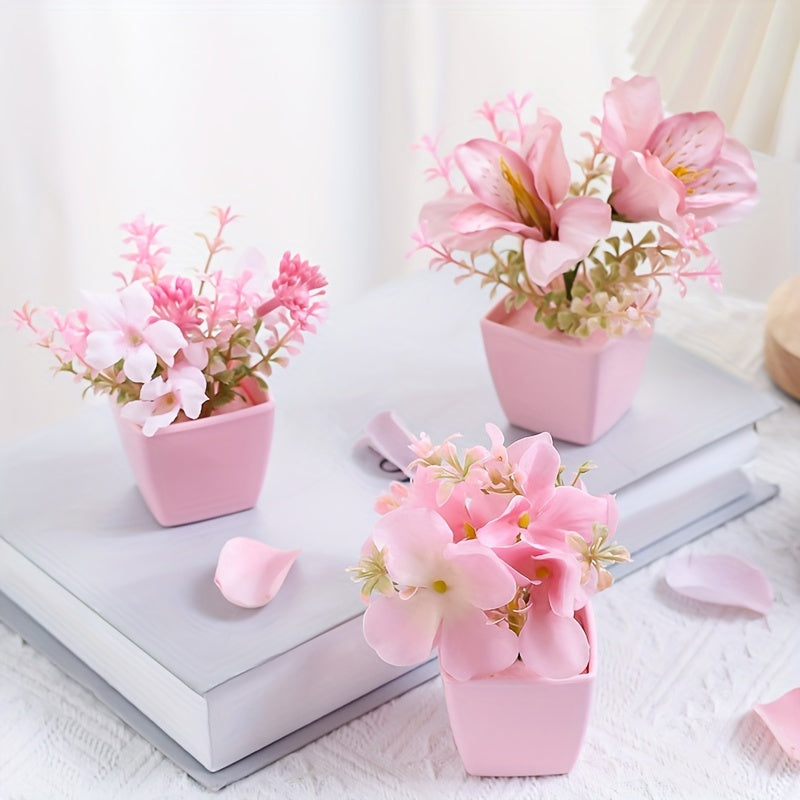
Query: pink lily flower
x=122 y=330
x=525 y=195
x=444 y=589
x=669 y=167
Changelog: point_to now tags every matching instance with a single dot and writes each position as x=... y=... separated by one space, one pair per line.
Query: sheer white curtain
x=301 y=115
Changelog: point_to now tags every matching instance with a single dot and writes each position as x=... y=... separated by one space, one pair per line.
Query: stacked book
x=130 y=609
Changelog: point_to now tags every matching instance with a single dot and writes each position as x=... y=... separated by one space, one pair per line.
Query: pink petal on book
x=782 y=717
x=250 y=573
x=722 y=579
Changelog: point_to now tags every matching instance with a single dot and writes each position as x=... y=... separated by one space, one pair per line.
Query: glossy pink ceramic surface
x=199 y=469
x=575 y=389
x=517 y=723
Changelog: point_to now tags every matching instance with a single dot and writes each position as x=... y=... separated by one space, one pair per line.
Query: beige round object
x=782 y=336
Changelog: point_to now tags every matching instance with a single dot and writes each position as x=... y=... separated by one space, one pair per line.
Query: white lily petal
x=137 y=304
x=140 y=363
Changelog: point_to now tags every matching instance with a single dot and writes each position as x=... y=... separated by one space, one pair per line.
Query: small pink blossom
x=122 y=330
x=394 y=498
x=235 y=300
x=148 y=258
x=181 y=388
x=174 y=300
x=65 y=336
x=687 y=245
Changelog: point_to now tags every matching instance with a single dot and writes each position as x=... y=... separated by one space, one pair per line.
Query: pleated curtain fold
x=740 y=58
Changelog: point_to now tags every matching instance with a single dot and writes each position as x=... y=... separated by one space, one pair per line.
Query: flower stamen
x=527 y=204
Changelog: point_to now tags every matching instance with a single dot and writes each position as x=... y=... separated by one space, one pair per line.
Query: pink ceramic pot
x=204 y=468
x=517 y=723
x=575 y=389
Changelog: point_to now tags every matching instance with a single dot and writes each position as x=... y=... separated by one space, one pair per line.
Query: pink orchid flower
x=669 y=167
x=525 y=195
x=181 y=388
x=122 y=330
x=444 y=589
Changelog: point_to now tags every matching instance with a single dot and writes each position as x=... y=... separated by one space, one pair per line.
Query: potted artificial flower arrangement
x=489 y=556
x=187 y=358
x=567 y=343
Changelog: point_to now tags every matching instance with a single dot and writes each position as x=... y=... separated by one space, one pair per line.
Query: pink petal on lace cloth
x=250 y=573
x=782 y=717
x=722 y=579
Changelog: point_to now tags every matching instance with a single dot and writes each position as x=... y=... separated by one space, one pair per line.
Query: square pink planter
x=575 y=389
x=516 y=723
x=203 y=468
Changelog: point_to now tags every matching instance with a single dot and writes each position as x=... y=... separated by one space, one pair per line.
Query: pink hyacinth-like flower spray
x=297 y=289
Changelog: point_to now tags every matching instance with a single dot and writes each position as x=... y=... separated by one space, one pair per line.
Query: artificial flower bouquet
x=169 y=347
x=571 y=248
x=487 y=555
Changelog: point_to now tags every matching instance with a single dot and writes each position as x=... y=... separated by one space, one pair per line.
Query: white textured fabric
x=677 y=680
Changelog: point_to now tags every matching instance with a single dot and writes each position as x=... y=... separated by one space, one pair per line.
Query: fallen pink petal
x=782 y=717
x=722 y=579
x=250 y=573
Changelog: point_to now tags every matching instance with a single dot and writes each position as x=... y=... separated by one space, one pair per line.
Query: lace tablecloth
x=672 y=716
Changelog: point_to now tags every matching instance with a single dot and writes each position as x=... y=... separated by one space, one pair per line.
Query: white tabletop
x=672 y=716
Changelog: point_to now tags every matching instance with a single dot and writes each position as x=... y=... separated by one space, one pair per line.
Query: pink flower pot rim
x=498 y=316
x=262 y=407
